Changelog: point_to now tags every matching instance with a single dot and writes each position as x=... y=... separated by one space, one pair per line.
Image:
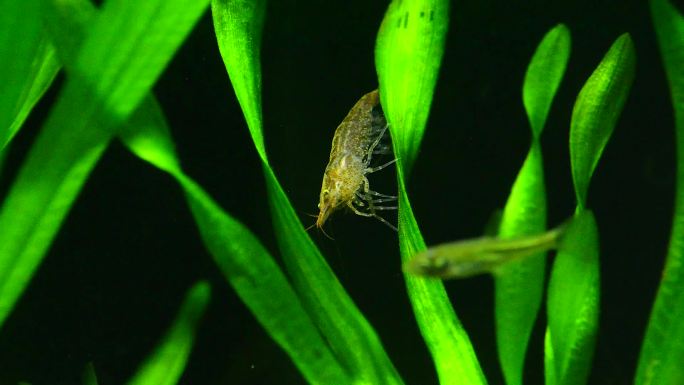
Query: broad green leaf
x=573 y=297
x=28 y=64
x=114 y=70
x=238 y=25
x=662 y=352
x=596 y=111
x=573 y=303
x=166 y=364
x=519 y=287
x=408 y=55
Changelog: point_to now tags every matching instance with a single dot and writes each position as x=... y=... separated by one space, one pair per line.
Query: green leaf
x=242 y=21
x=114 y=70
x=243 y=260
x=519 y=287
x=573 y=303
x=245 y=263
x=596 y=111
x=165 y=365
x=573 y=297
x=408 y=55
x=544 y=74
x=238 y=25
x=30 y=64
x=662 y=352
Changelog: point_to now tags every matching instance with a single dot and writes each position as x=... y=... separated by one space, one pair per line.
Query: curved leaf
x=573 y=299
x=597 y=110
x=573 y=303
x=243 y=260
x=662 y=352
x=110 y=78
x=519 y=287
x=28 y=66
x=408 y=54
x=356 y=345
x=544 y=74
x=166 y=364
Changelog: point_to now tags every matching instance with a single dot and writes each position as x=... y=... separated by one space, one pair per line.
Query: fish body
x=470 y=257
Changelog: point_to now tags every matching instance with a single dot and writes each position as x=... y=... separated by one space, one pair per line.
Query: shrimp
x=345 y=183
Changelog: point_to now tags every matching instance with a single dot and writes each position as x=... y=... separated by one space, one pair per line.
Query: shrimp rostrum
x=345 y=181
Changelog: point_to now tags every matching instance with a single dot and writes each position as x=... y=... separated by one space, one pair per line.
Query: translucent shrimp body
x=344 y=181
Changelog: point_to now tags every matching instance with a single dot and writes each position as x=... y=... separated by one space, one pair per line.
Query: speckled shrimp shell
x=345 y=181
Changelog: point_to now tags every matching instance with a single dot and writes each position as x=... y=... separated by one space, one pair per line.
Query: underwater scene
x=362 y=192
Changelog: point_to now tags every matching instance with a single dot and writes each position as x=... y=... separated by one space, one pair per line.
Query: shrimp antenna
x=323 y=231
x=326 y=234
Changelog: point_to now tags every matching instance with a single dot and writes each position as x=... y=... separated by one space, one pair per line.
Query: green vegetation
x=304 y=308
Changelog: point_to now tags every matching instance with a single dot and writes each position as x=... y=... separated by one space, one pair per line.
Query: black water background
x=117 y=272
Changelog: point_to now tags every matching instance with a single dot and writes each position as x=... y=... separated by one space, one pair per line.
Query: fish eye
x=325 y=193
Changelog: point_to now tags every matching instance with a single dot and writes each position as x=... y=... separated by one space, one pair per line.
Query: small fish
x=355 y=141
x=470 y=257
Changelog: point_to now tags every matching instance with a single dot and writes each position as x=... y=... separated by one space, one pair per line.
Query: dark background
x=129 y=250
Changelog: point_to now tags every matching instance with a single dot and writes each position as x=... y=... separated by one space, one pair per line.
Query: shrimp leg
x=375 y=143
x=367 y=191
x=371 y=214
x=378 y=168
x=370 y=199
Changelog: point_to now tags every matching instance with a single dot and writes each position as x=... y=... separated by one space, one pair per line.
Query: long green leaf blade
x=115 y=69
x=573 y=297
x=597 y=110
x=237 y=252
x=573 y=303
x=165 y=365
x=663 y=348
x=238 y=24
x=28 y=63
x=408 y=54
x=519 y=287
x=544 y=75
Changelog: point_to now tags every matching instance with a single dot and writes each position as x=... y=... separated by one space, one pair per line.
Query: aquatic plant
x=304 y=308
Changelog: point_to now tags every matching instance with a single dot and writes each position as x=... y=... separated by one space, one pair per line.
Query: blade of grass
x=238 y=25
x=410 y=46
x=28 y=63
x=573 y=303
x=245 y=263
x=242 y=259
x=597 y=110
x=115 y=69
x=573 y=299
x=165 y=365
x=662 y=351
x=408 y=54
x=519 y=288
